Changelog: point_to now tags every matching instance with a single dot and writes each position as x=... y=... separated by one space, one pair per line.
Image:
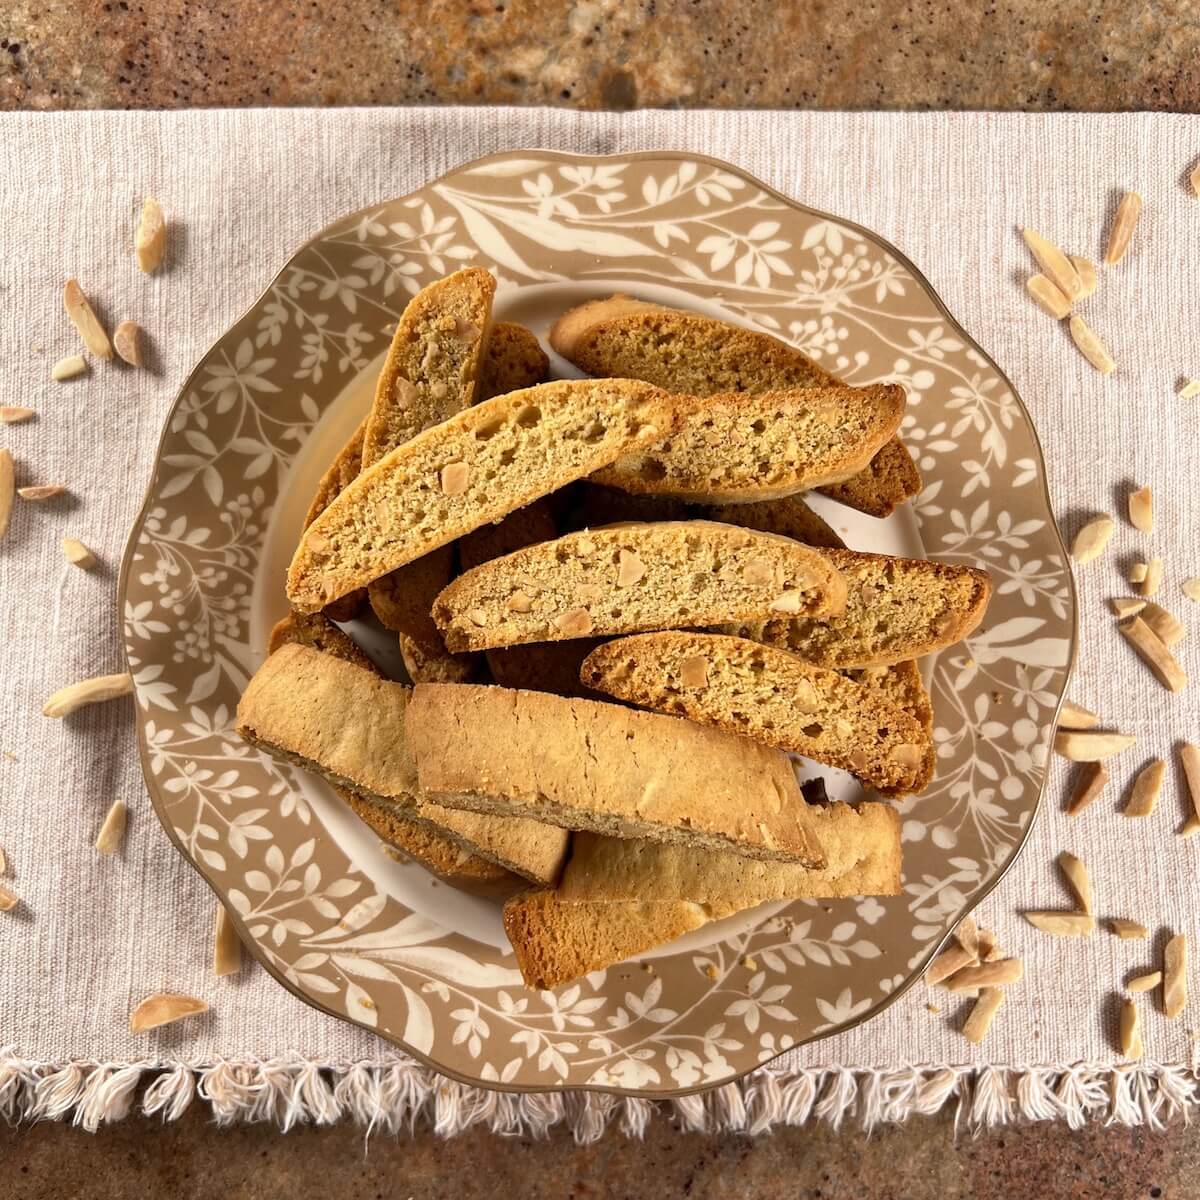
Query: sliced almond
x=1153 y=580
x=1167 y=627
x=693 y=671
x=990 y=974
x=85 y=320
x=1131 y=1030
x=1086 y=269
x=14 y=414
x=1128 y=930
x=1090 y=784
x=1126 y=606
x=7 y=490
x=112 y=832
x=1141 y=510
x=951 y=960
x=1091 y=745
x=161 y=1009
x=150 y=238
x=1092 y=539
x=455 y=478
x=1078 y=880
x=1048 y=297
x=1191 y=588
x=1072 y=716
x=1123 y=225
x=967 y=936
x=69 y=367
x=1056 y=265
x=982 y=1012
x=1143 y=796
x=1190 y=389
x=76 y=553
x=1154 y=653
x=1144 y=983
x=1062 y=924
x=127 y=339
x=575 y=622
x=41 y=491
x=1189 y=760
x=89 y=691
x=1091 y=347
x=8 y=900
x=630 y=569
x=1174 y=969
x=227 y=946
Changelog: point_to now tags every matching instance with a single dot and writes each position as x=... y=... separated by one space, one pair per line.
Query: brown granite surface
x=1036 y=54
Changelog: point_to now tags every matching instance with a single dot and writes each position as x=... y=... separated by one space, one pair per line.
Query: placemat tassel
x=170 y=1093
x=107 y=1096
x=1034 y=1096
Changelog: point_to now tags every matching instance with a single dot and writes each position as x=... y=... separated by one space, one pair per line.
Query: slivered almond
x=1189 y=760
x=1141 y=510
x=1143 y=796
x=227 y=946
x=1091 y=347
x=1078 y=880
x=1091 y=745
x=112 y=832
x=1189 y=389
x=3 y=861
x=786 y=602
x=455 y=478
x=1072 y=716
x=90 y=691
x=1092 y=539
x=1190 y=827
x=150 y=238
x=1153 y=580
x=693 y=671
x=161 y=1009
x=69 y=367
x=1048 y=297
x=1137 y=573
x=127 y=339
x=1090 y=784
x=989 y=949
x=575 y=622
x=1128 y=930
x=1174 y=969
x=951 y=960
x=76 y=553
x=1144 y=983
x=1168 y=628
x=8 y=900
x=477 y=617
x=7 y=490
x=1086 y=270
x=1126 y=607
x=1131 y=1030
x=967 y=936
x=1194 y=179
x=14 y=414
x=1056 y=265
x=630 y=568
x=1062 y=924
x=1123 y=225
x=1154 y=653
x=519 y=602
x=982 y=1012
x=41 y=491
x=1191 y=588
x=990 y=974
x=85 y=320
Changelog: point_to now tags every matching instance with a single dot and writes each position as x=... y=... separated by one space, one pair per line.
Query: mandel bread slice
x=896 y=608
x=346 y=724
x=901 y=684
x=627 y=578
x=692 y=353
x=476 y=467
x=766 y=694
x=584 y=764
x=742 y=446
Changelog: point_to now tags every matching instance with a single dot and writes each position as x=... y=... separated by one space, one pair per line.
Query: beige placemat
x=93 y=936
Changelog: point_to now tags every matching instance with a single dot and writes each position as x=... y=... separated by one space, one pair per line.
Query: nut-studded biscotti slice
x=902 y=685
x=583 y=764
x=514 y=359
x=697 y=354
x=346 y=724
x=738 y=446
x=788 y=516
x=476 y=467
x=766 y=694
x=862 y=846
x=556 y=941
x=896 y=608
x=627 y=578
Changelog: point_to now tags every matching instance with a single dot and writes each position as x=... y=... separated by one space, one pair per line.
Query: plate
x=382 y=944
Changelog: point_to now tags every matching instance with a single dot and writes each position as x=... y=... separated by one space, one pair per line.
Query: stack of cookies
x=619 y=618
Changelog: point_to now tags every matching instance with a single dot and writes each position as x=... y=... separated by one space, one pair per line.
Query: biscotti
x=317 y=632
x=583 y=764
x=543 y=666
x=688 y=352
x=735 y=447
x=902 y=685
x=862 y=846
x=347 y=725
x=476 y=467
x=896 y=608
x=788 y=516
x=626 y=578
x=556 y=942
x=766 y=694
x=513 y=359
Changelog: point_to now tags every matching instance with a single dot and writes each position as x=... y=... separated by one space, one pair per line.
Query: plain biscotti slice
x=556 y=941
x=766 y=694
x=583 y=764
x=703 y=356
x=627 y=578
x=735 y=447
x=862 y=846
x=896 y=608
x=476 y=467
x=902 y=685
x=346 y=724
